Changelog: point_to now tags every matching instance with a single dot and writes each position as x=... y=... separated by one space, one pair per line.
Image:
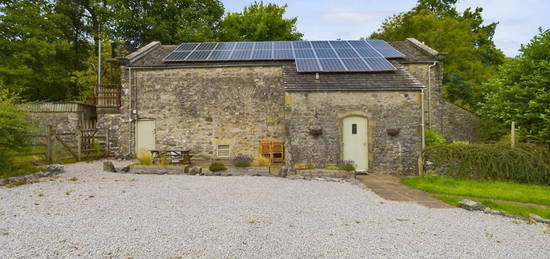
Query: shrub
x=331 y=167
x=302 y=166
x=14 y=131
x=217 y=166
x=526 y=163
x=262 y=161
x=346 y=165
x=431 y=137
x=144 y=157
x=242 y=160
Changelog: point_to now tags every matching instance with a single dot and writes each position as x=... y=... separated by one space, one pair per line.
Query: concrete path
x=390 y=188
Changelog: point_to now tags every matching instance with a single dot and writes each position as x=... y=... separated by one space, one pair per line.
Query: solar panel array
x=310 y=56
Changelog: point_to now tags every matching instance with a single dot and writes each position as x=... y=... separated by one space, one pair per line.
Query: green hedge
x=525 y=163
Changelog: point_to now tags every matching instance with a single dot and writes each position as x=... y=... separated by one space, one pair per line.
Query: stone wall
x=63 y=117
x=383 y=109
x=200 y=108
x=453 y=122
x=60 y=121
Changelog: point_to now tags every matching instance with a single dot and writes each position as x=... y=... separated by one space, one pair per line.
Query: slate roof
x=294 y=81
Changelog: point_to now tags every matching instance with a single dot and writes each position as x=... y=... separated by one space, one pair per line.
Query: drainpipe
x=430 y=93
x=422 y=127
x=129 y=112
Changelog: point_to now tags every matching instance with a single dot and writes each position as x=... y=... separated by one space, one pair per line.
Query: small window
x=354 y=129
x=223 y=151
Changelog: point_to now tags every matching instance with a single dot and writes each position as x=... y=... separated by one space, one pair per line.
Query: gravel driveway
x=100 y=214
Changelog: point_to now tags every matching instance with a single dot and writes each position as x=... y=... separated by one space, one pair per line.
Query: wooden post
x=49 y=144
x=420 y=166
x=107 y=153
x=79 y=143
x=513 y=134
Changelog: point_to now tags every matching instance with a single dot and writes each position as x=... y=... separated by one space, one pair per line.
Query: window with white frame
x=223 y=151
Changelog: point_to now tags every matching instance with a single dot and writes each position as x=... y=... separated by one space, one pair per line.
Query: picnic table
x=174 y=155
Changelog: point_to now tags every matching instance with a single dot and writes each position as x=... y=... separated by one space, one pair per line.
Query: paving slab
x=390 y=188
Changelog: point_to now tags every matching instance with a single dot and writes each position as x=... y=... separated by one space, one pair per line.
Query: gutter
x=430 y=93
x=130 y=152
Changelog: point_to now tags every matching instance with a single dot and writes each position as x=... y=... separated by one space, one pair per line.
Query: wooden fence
x=58 y=147
x=107 y=97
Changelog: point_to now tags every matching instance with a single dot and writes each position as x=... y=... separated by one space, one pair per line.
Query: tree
x=35 y=56
x=472 y=56
x=259 y=22
x=170 y=22
x=520 y=91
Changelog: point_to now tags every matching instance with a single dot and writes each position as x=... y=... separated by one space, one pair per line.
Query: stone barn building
x=327 y=101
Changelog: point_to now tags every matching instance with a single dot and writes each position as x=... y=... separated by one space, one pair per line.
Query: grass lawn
x=518 y=210
x=538 y=194
x=452 y=191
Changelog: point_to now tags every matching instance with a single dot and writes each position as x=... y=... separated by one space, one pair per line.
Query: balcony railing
x=107 y=98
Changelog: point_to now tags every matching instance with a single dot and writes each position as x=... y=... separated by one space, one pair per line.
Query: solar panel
x=241 y=54
x=304 y=53
x=307 y=65
x=359 y=44
x=355 y=64
x=225 y=46
x=331 y=65
x=284 y=54
x=244 y=45
x=368 y=52
x=379 y=44
x=380 y=64
x=310 y=56
x=338 y=44
x=264 y=45
x=390 y=53
x=207 y=46
x=301 y=45
x=220 y=55
x=187 y=46
x=198 y=55
x=347 y=53
x=320 y=44
x=177 y=56
x=282 y=45
x=325 y=53
x=261 y=54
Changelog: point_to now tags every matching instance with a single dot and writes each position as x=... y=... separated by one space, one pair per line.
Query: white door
x=355 y=141
x=145 y=135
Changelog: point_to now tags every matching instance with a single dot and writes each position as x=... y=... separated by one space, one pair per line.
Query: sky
x=519 y=20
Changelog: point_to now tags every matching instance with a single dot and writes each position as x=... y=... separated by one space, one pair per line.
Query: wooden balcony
x=107 y=97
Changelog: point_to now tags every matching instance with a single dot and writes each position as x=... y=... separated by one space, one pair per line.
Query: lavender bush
x=242 y=160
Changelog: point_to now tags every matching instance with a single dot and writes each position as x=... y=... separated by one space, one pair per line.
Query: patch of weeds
x=5 y=233
x=123 y=191
x=488 y=235
x=403 y=220
x=67 y=193
x=133 y=180
x=291 y=225
x=40 y=195
x=357 y=222
x=253 y=222
x=73 y=179
x=516 y=222
x=331 y=234
x=36 y=204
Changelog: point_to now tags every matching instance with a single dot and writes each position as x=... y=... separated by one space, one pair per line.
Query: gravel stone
x=104 y=215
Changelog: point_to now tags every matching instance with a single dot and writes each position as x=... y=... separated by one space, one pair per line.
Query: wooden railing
x=107 y=98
